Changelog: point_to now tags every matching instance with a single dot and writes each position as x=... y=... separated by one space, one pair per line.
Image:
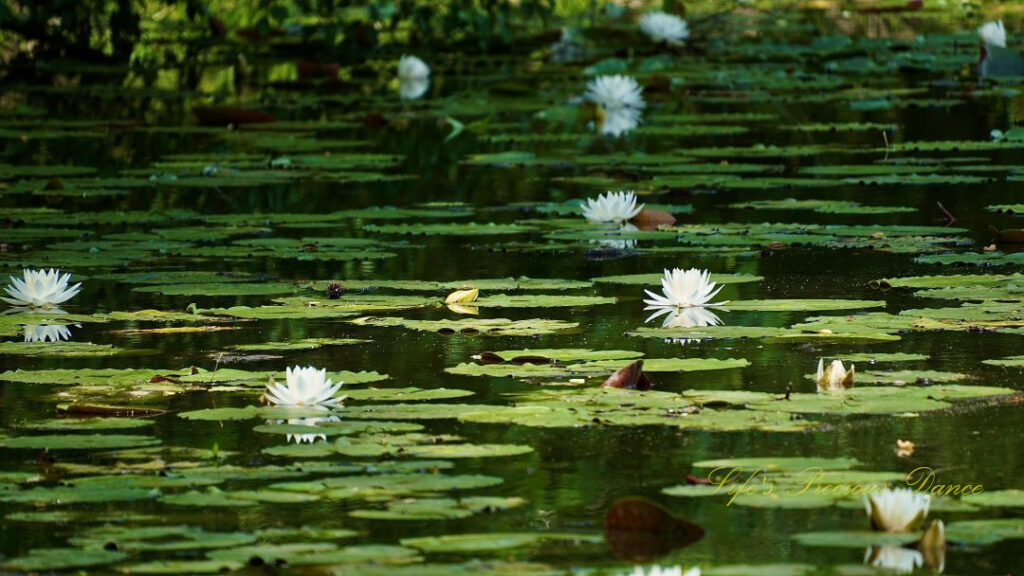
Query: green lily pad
x=408 y=394
x=77 y=442
x=48 y=559
x=438 y=508
x=485 y=284
x=857 y=539
x=300 y=344
x=821 y=206
x=181 y=567
x=99 y=423
x=222 y=289
x=159 y=538
x=472 y=326
x=495 y=542
x=778 y=464
x=655 y=279
x=60 y=349
x=798 y=305
x=539 y=301
x=468 y=229
x=982 y=532
x=997 y=499
x=386 y=486
x=62 y=495
x=1008 y=362
x=885 y=357
x=210 y=499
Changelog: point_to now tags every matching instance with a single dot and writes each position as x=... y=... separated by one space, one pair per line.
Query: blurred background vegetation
x=141 y=31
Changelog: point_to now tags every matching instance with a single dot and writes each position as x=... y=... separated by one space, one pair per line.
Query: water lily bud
x=834 y=377
x=464 y=296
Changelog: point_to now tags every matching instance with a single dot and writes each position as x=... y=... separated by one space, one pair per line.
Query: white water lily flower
x=895 y=559
x=413 y=77
x=615 y=92
x=305 y=387
x=662 y=27
x=899 y=510
x=993 y=34
x=40 y=289
x=620 y=99
x=617 y=207
x=664 y=571
x=833 y=377
x=47 y=332
x=682 y=289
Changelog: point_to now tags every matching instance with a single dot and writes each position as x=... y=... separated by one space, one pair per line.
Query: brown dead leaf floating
x=649 y=219
x=1006 y=236
x=631 y=377
x=639 y=530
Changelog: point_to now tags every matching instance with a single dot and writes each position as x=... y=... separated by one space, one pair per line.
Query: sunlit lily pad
x=655 y=279
x=540 y=301
x=779 y=464
x=981 y=532
x=300 y=344
x=438 y=508
x=486 y=284
x=856 y=539
x=495 y=542
x=1008 y=362
x=997 y=499
x=60 y=349
x=472 y=326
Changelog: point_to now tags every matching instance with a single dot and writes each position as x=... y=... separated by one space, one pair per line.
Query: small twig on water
x=950 y=219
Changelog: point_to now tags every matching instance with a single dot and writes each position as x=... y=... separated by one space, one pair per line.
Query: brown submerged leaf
x=631 y=377
x=649 y=219
x=1006 y=236
x=637 y=529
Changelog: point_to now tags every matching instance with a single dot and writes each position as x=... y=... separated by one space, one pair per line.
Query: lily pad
x=48 y=559
x=77 y=442
x=495 y=542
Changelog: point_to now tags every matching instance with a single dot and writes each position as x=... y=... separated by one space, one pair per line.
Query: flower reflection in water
x=619 y=243
x=302 y=438
x=691 y=317
x=895 y=559
x=47 y=332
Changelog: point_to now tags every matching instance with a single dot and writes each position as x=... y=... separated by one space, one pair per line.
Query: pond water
x=134 y=441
